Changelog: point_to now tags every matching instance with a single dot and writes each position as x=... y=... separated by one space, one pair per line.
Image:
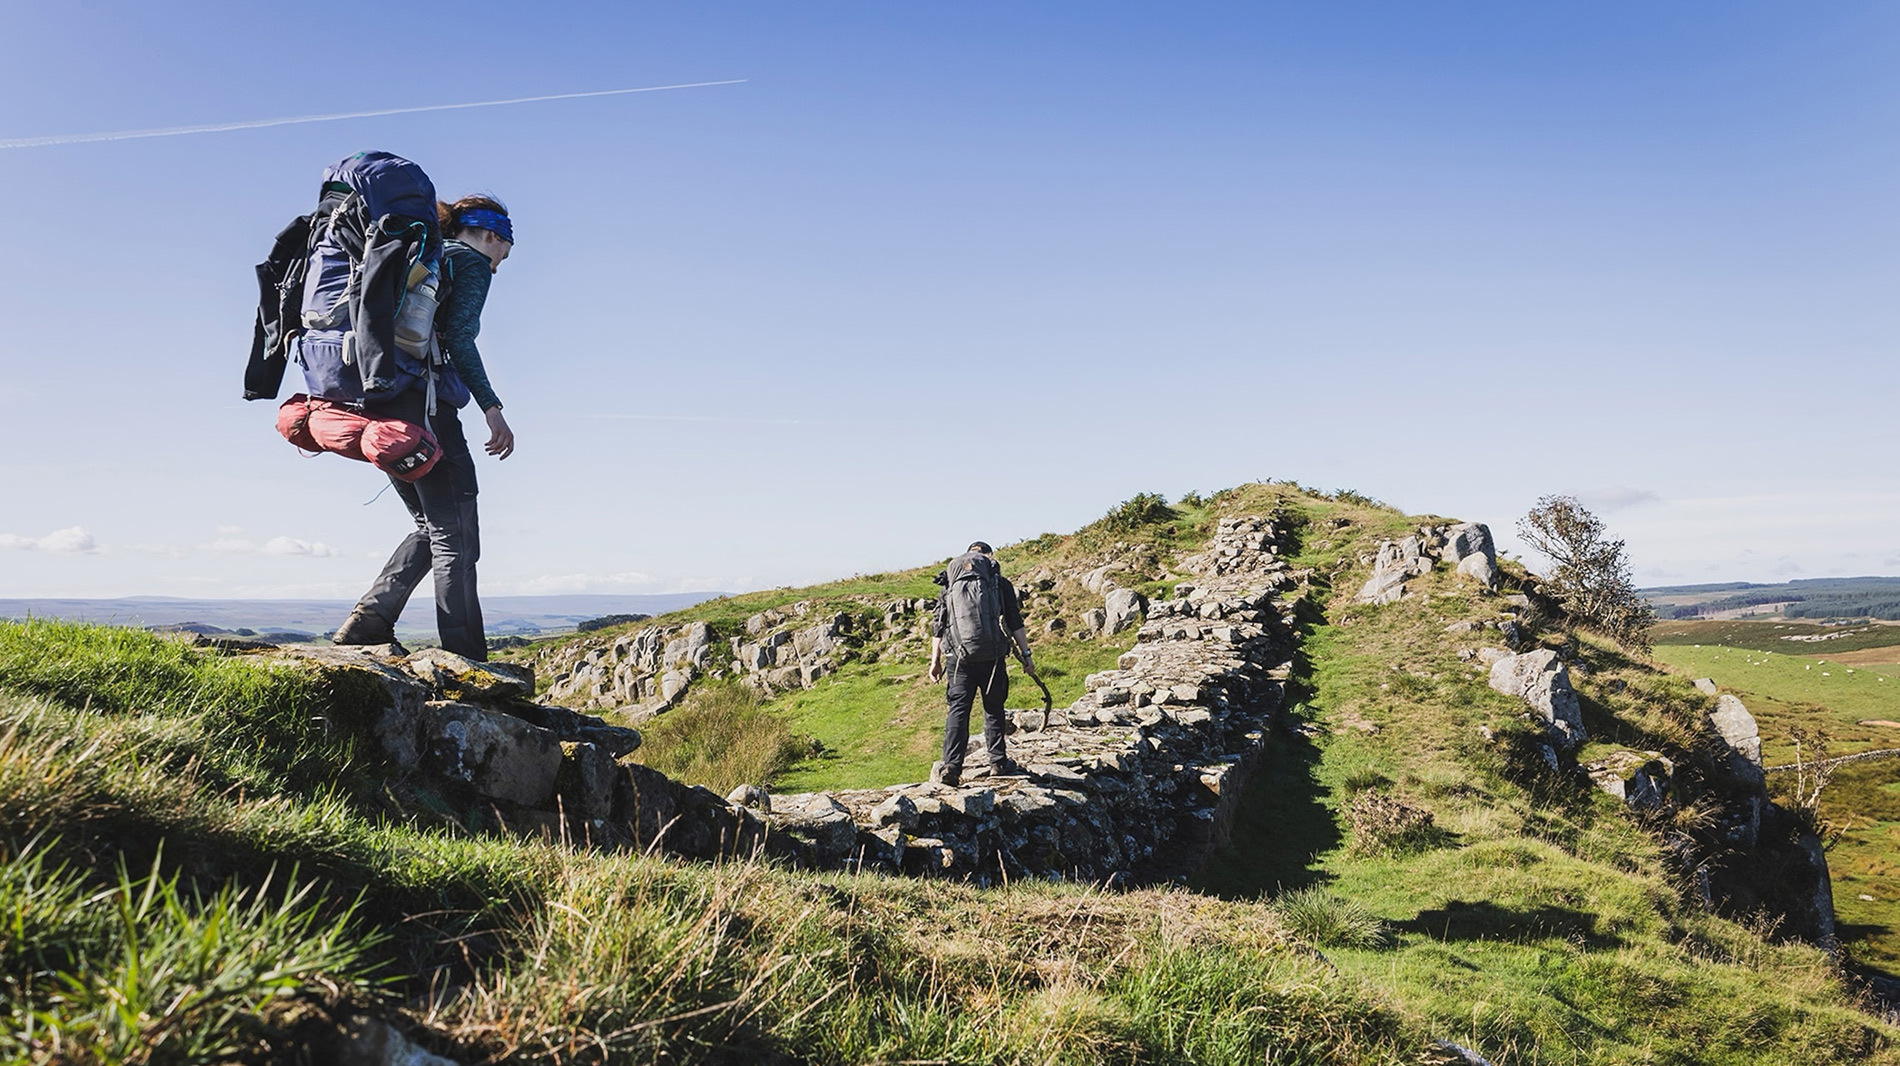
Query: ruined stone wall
x=1136 y=780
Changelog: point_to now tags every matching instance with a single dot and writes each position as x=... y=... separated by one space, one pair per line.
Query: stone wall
x=1137 y=780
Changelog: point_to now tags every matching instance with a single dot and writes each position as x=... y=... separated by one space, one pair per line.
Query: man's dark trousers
x=966 y=679
x=447 y=541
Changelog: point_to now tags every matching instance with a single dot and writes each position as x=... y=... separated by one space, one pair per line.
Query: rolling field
x=1784 y=690
x=1844 y=684
x=1790 y=638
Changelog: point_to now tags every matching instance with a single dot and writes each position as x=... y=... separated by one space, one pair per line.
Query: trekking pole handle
x=1048 y=701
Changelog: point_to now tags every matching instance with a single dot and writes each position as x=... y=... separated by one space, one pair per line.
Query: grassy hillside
x=157 y=806
x=1844 y=687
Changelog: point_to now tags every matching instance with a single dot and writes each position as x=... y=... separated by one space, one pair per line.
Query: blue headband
x=493 y=221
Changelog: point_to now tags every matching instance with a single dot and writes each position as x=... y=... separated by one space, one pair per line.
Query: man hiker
x=978 y=616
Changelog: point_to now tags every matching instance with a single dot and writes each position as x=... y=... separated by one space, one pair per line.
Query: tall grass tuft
x=1322 y=918
x=720 y=736
x=147 y=971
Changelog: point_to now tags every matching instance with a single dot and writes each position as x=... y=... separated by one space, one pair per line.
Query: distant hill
x=505 y=615
x=1821 y=597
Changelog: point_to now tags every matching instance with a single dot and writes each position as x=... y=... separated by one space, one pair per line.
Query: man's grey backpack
x=973 y=608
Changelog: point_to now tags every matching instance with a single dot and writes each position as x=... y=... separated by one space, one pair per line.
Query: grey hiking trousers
x=965 y=680
x=447 y=542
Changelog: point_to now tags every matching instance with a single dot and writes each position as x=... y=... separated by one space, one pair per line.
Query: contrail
x=225 y=127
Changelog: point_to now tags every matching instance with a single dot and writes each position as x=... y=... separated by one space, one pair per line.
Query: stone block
x=1541 y=680
x=1123 y=608
x=896 y=811
x=970 y=802
x=1640 y=779
x=587 y=780
x=461 y=678
x=645 y=801
x=820 y=821
x=499 y=755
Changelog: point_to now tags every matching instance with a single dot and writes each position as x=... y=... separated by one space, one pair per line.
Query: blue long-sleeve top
x=460 y=317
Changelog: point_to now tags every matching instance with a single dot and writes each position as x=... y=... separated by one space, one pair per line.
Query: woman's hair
x=446 y=213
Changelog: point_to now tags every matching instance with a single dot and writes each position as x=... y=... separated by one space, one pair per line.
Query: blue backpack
x=350 y=291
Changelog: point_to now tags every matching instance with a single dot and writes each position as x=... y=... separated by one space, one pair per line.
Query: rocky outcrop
x=649 y=670
x=1122 y=608
x=1640 y=779
x=1540 y=678
x=1741 y=735
x=1136 y=780
x=1397 y=561
x=462 y=736
x=1466 y=546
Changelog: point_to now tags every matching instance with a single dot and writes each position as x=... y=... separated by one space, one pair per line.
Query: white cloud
x=73 y=540
x=273 y=546
x=558 y=584
x=293 y=546
x=230 y=531
x=1616 y=498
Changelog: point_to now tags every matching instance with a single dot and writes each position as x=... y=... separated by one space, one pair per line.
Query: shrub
x=1591 y=579
x=1383 y=824
x=1142 y=509
x=607 y=620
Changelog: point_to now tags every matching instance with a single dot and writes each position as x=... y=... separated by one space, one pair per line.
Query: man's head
x=979 y=546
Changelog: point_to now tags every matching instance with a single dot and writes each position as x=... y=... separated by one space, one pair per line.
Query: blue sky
x=939 y=272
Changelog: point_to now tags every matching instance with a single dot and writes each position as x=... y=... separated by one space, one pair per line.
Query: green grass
x=1862 y=805
x=720 y=736
x=1782 y=691
x=523 y=951
x=881 y=723
x=1539 y=923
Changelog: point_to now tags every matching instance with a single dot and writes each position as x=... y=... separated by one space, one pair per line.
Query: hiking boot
x=1007 y=768
x=939 y=775
x=366 y=627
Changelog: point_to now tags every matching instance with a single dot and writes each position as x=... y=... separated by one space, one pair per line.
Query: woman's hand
x=501 y=439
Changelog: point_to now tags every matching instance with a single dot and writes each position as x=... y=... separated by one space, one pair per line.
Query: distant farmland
x=1817 y=598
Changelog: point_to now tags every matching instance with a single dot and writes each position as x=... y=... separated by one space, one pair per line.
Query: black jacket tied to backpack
x=335 y=280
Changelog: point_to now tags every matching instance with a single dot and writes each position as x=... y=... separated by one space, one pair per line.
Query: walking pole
x=1048 y=701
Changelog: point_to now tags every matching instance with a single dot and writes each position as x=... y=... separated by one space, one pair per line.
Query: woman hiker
x=447 y=539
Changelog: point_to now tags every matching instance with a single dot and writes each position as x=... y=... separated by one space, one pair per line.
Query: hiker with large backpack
x=381 y=313
x=979 y=618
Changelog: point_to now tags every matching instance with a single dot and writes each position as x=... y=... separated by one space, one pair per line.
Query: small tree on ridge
x=1591 y=578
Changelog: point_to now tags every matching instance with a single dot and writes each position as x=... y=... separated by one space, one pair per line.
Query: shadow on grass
x=1280 y=829
x=1484 y=920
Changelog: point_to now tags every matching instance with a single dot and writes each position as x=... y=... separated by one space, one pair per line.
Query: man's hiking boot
x=366 y=627
x=941 y=776
x=1007 y=768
